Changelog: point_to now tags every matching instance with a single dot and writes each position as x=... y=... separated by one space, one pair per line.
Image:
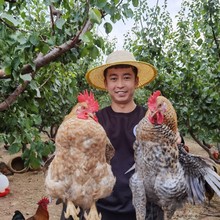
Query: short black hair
x=134 y=68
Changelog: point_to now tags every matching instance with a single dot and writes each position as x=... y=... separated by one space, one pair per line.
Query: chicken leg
x=93 y=213
x=71 y=210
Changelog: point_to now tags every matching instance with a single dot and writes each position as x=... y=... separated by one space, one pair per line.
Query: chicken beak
x=93 y=116
x=153 y=113
x=50 y=199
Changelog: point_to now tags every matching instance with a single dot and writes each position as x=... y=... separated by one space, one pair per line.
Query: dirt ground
x=27 y=189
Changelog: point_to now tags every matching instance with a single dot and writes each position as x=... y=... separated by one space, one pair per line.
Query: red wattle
x=160 y=118
x=151 y=119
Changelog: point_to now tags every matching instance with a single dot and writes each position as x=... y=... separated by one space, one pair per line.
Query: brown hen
x=79 y=172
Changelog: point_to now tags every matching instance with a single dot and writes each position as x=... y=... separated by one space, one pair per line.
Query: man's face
x=121 y=84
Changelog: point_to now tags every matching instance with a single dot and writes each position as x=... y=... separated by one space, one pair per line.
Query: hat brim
x=146 y=73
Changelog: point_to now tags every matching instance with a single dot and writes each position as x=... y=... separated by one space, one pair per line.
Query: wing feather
x=198 y=170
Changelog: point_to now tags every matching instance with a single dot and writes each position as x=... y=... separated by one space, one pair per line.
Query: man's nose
x=120 y=83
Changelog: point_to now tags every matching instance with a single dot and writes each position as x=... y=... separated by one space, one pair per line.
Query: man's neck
x=123 y=108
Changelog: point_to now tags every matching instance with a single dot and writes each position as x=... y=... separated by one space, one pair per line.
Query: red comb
x=152 y=100
x=89 y=99
x=45 y=200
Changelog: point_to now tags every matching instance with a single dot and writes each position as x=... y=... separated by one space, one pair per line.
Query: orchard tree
x=46 y=48
x=188 y=61
x=48 y=45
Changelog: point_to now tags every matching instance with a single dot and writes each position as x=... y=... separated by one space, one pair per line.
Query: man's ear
x=105 y=83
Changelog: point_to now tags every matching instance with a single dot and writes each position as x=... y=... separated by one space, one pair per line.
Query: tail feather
x=190 y=193
x=214 y=174
x=18 y=215
x=213 y=179
x=197 y=190
x=199 y=187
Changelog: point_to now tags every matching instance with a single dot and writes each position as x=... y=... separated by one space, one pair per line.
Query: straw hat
x=146 y=72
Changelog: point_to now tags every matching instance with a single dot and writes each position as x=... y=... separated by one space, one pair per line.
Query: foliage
x=46 y=48
x=187 y=58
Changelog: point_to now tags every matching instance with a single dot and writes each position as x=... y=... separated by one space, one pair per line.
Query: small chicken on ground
x=41 y=213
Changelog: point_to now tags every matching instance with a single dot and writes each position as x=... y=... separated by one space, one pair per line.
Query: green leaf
x=135 y=3
x=2 y=5
x=34 y=108
x=59 y=23
x=197 y=34
x=11 y=139
x=94 y=52
x=116 y=2
x=99 y=42
x=9 y=18
x=33 y=85
x=87 y=37
x=108 y=27
x=7 y=70
x=34 y=162
x=116 y=17
x=37 y=119
x=34 y=39
x=43 y=47
x=23 y=14
x=26 y=77
x=14 y=148
x=199 y=42
x=101 y=3
x=15 y=63
x=22 y=39
x=129 y=13
x=95 y=15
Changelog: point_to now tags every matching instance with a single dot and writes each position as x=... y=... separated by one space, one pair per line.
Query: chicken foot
x=93 y=213
x=71 y=210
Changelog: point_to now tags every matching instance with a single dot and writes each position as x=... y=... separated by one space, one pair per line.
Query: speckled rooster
x=80 y=174
x=165 y=173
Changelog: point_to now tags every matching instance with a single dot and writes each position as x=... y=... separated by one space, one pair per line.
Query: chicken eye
x=80 y=109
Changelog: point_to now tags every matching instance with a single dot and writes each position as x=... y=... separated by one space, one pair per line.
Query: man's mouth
x=120 y=92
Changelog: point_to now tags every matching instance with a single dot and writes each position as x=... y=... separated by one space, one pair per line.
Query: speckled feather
x=158 y=173
x=165 y=173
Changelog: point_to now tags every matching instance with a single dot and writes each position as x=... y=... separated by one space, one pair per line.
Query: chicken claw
x=71 y=210
x=93 y=213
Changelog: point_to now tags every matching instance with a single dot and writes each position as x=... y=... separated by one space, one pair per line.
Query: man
x=120 y=76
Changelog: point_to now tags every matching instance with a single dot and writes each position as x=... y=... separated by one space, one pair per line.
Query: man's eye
x=127 y=77
x=113 y=78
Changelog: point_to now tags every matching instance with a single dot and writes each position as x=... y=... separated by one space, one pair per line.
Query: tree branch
x=54 y=12
x=52 y=20
x=12 y=98
x=204 y=146
x=9 y=26
x=41 y=61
